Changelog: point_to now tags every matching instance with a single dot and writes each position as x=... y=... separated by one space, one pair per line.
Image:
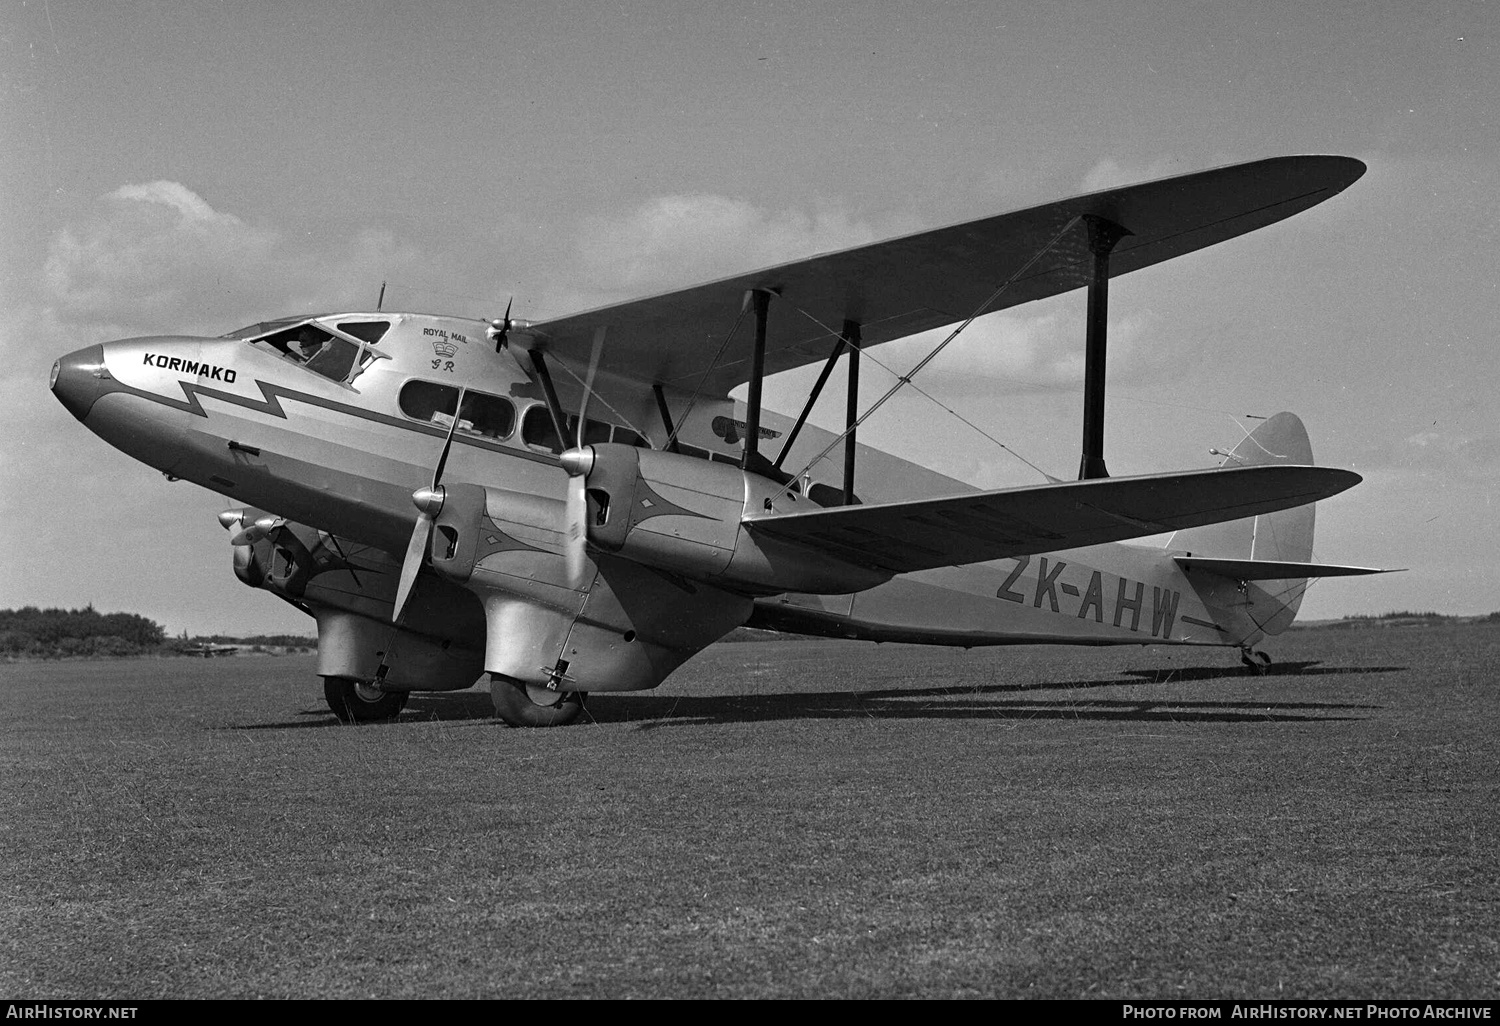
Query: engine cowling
x=684 y=514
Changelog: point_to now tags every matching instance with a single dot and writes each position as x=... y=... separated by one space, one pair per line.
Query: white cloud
x=157 y=258
x=1044 y=348
x=1109 y=173
x=1463 y=454
x=672 y=241
x=189 y=205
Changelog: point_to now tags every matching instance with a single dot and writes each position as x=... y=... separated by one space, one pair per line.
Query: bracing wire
x=905 y=379
x=693 y=399
x=603 y=401
x=870 y=355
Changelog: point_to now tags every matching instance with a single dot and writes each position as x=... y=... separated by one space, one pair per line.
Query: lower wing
x=900 y=537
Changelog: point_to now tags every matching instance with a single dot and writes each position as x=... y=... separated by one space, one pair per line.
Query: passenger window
x=483 y=414
x=424 y=400
x=594 y=431
x=537 y=430
x=487 y=415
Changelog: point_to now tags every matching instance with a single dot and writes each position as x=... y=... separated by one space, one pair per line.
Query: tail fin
x=1284 y=536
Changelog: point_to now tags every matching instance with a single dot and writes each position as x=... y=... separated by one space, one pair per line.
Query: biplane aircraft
x=578 y=504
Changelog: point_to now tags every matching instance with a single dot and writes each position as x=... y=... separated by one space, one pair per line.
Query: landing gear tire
x=354 y=702
x=527 y=705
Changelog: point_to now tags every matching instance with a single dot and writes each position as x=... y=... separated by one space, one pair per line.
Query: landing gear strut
x=355 y=702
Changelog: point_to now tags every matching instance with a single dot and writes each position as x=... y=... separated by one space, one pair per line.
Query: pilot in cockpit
x=310 y=342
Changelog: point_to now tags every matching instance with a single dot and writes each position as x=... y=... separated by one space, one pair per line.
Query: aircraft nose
x=78 y=379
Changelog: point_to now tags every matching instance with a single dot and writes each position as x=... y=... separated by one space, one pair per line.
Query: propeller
x=256 y=531
x=578 y=461
x=499 y=330
x=429 y=503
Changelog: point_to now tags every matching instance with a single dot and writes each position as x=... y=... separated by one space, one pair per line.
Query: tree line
x=30 y=631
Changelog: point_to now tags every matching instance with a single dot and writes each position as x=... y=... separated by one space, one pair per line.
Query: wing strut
x=761 y=299
x=559 y=420
x=666 y=417
x=851 y=416
x=812 y=399
x=982 y=308
x=1102 y=236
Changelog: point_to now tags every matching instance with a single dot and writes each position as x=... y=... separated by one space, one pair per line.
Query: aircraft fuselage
x=330 y=447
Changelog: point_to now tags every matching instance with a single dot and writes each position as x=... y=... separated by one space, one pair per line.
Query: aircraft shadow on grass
x=955 y=702
x=1307 y=668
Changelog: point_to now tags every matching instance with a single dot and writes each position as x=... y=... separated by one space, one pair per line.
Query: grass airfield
x=778 y=820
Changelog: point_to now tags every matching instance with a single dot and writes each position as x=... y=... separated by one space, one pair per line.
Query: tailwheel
x=1258 y=662
x=353 y=701
x=528 y=705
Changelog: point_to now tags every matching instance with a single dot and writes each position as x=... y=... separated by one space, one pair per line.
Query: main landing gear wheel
x=355 y=702
x=527 y=705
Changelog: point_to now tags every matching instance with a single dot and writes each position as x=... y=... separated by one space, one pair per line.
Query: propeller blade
x=458 y=408
x=578 y=512
x=429 y=503
x=588 y=381
x=416 y=551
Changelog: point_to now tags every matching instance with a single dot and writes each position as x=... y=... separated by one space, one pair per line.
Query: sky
x=175 y=167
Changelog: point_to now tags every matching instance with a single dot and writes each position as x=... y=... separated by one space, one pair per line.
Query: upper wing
x=933 y=278
x=899 y=537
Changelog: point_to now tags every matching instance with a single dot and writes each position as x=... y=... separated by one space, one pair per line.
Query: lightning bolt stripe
x=270 y=404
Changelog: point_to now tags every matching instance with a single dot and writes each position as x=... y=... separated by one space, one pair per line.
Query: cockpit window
x=264 y=327
x=306 y=343
x=366 y=331
x=320 y=351
x=483 y=414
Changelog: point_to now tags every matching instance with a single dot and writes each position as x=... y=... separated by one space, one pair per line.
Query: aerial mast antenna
x=381 y=301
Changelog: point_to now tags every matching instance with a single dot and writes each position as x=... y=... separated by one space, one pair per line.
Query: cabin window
x=705 y=454
x=594 y=431
x=537 y=431
x=491 y=416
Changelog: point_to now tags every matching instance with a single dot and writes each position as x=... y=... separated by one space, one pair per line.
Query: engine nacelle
x=684 y=514
x=360 y=648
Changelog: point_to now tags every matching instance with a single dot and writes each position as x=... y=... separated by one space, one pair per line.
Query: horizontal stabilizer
x=900 y=537
x=1272 y=569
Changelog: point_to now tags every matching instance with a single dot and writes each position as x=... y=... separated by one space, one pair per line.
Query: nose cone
x=79 y=378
